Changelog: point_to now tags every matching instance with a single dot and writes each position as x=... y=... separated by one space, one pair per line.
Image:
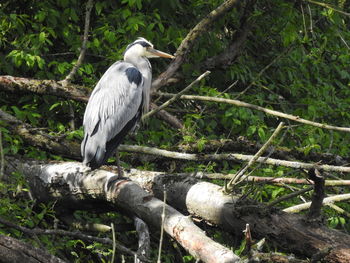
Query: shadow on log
x=73 y=185
x=290 y=232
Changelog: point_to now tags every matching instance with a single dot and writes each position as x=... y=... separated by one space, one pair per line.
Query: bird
x=117 y=102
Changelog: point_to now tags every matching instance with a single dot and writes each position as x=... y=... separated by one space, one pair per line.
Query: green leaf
x=261 y=133
x=99 y=7
x=42 y=37
x=251 y=130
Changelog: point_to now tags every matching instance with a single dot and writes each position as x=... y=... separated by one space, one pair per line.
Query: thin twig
x=81 y=57
x=263 y=70
x=175 y=97
x=114 y=243
x=190 y=39
x=268 y=180
x=2 y=158
x=267 y=156
x=255 y=107
x=248 y=238
x=339 y=209
x=240 y=174
x=162 y=228
x=335 y=198
x=230 y=157
x=290 y=196
x=329 y=7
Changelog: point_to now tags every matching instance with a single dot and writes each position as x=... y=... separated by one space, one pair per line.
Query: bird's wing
x=114 y=102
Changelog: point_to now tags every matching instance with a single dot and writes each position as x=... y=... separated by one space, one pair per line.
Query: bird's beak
x=156 y=53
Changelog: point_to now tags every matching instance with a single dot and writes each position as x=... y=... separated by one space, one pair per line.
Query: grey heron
x=117 y=102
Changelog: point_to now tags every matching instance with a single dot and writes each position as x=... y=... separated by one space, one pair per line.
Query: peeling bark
x=290 y=232
x=73 y=185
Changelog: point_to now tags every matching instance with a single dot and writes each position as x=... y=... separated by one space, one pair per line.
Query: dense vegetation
x=295 y=59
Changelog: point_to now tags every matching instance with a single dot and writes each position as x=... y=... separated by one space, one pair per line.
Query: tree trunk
x=74 y=186
x=290 y=232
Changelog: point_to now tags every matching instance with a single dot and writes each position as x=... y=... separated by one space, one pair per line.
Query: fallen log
x=13 y=250
x=290 y=232
x=74 y=186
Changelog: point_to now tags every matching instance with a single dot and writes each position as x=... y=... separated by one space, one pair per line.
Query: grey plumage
x=117 y=103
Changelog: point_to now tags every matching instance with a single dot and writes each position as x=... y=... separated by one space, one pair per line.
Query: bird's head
x=143 y=48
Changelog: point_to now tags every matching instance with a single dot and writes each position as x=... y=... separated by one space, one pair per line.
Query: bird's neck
x=141 y=63
x=144 y=66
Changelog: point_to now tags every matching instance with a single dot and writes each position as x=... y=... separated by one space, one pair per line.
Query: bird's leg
x=120 y=171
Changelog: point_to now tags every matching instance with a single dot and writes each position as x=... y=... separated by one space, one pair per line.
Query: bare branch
x=301 y=207
x=71 y=149
x=167 y=117
x=290 y=196
x=49 y=87
x=188 y=42
x=255 y=107
x=230 y=157
x=40 y=139
x=328 y=6
x=232 y=51
x=261 y=151
x=81 y=57
x=162 y=229
x=175 y=97
x=70 y=91
x=257 y=179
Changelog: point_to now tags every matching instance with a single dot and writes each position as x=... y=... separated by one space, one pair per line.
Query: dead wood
x=38 y=138
x=288 y=231
x=83 y=48
x=144 y=247
x=318 y=194
x=48 y=87
x=232 y=51
x=262 y=109
x=15 y=251
x=71 y=149
x=65 y=90
x=189 y=41
x=244 y=145
x=73 y=186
